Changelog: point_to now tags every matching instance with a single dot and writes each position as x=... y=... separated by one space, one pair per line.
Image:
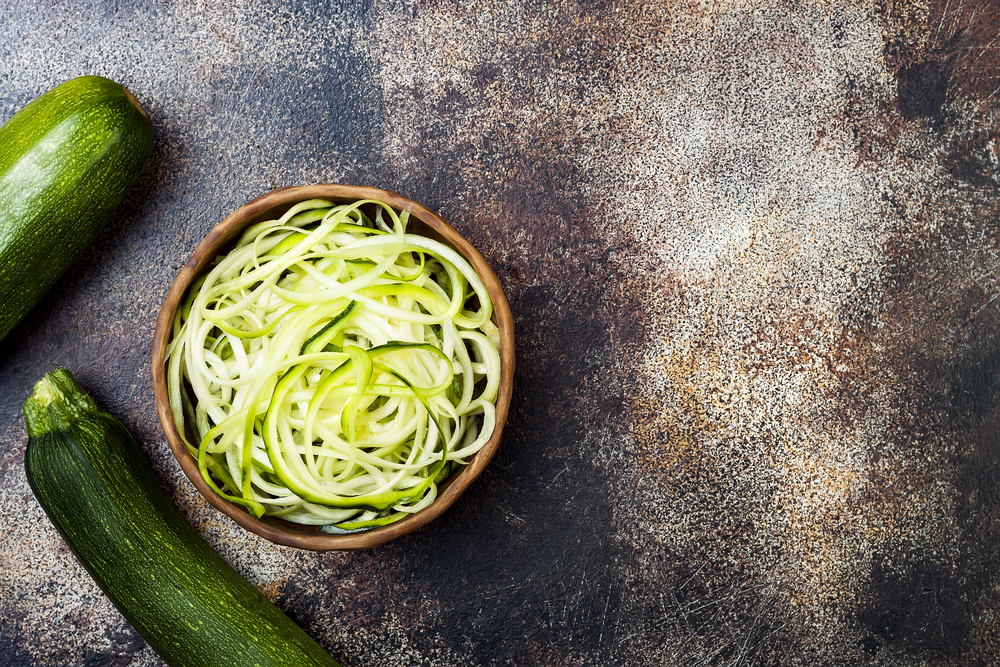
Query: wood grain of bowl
x=217 y=242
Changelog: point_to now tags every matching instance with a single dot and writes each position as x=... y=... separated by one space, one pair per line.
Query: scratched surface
x=753 y=258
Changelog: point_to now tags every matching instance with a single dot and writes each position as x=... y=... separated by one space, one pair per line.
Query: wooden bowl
x=218 y=241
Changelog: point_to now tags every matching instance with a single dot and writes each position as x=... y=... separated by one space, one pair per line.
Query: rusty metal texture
x=752 y=251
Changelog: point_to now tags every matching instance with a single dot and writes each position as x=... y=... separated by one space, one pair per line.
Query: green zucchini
x=89 y=475
x=67 y=160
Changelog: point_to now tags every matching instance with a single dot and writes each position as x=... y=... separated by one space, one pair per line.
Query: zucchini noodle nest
x=335 y=368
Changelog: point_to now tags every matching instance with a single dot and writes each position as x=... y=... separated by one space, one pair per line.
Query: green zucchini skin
x=91 y=478
x=67 y=159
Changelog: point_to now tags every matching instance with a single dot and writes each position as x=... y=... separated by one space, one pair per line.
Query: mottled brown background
x=752 y=250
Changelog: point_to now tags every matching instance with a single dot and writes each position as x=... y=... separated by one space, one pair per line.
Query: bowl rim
x=284 y=532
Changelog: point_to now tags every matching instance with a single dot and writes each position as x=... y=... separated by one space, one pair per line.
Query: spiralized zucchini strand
x=334 y=367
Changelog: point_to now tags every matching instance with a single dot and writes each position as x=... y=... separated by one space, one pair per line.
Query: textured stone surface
x=752 y=252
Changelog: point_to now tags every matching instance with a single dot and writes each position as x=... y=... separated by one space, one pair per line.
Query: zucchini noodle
x=334 y=367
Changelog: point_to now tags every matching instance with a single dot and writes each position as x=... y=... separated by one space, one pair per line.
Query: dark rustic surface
x=752 y=253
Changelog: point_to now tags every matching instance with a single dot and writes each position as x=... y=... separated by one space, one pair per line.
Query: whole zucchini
x=67 y=160
x=89 y=475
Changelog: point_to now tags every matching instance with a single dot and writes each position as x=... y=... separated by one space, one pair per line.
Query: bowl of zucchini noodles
x=333 y=366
